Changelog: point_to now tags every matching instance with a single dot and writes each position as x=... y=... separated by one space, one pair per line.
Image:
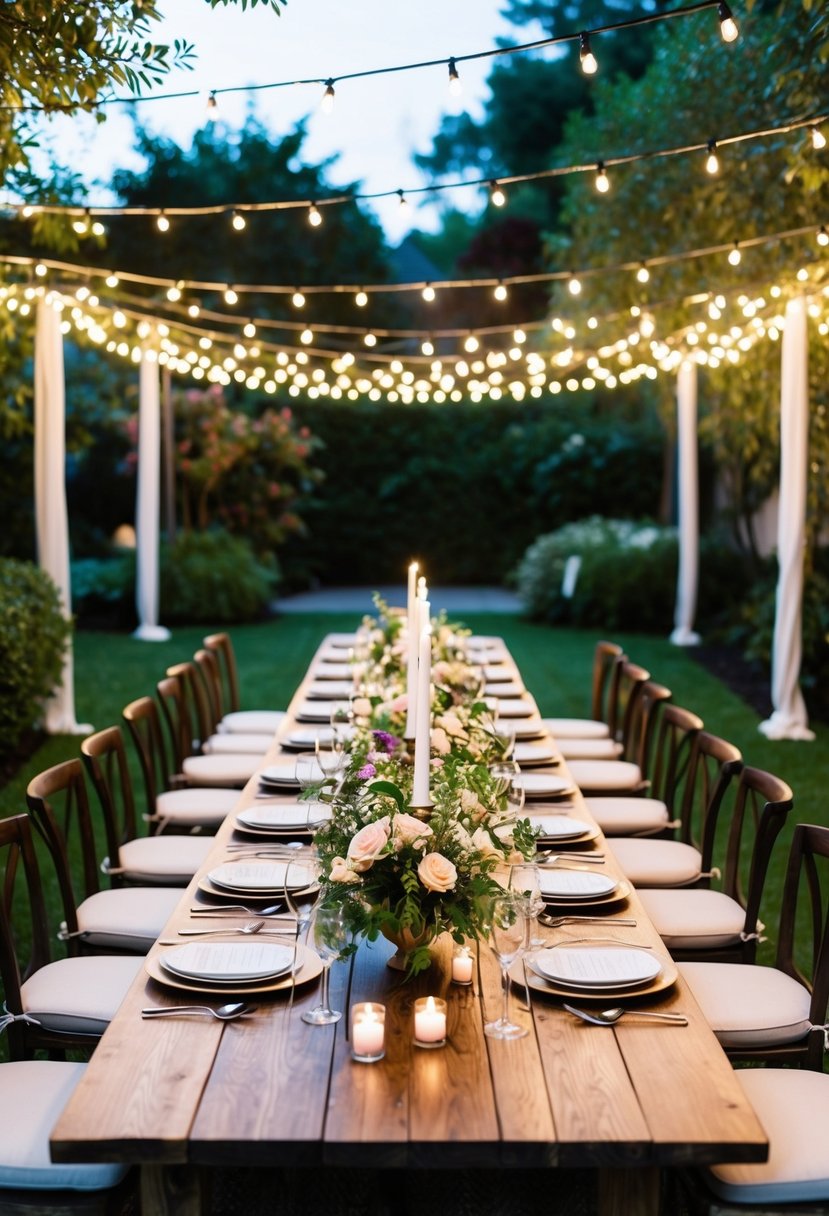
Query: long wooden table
x=175 y=1095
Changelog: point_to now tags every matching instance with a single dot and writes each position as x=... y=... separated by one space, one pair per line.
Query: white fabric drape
x=51 y=520
x=790 y=719
x=147 y=505
x=688 y=574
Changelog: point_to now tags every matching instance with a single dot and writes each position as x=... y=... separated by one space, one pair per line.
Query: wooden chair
x=113 y=920
x=169 y=861
x=778 y=1014
x=179 y=698
x=171 y=804
x=630 y=774
x=724 y=925
x=695 y=795
x=218 y=742
x=600 y=724
x=50 y=1004
x=234 y=719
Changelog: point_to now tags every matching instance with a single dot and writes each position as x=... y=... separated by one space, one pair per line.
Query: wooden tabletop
x=273 y=1090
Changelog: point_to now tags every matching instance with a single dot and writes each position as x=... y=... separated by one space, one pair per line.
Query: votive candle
x=462 y=964
x=368 y=1031
x=430 y=1021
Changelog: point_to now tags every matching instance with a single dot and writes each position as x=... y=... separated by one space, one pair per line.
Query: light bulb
x=212 y=106
x=818 y=139
x=314 y=216
x=471 y=344
x=249 y=330
x=735 y=257
x=602 y=180
x=238 y=221
x=298 y=299
x=500 y=292
x=404 y=202
x=230 y=296
x=728 y=26
x=98 y=229
x=327 y=103
x=588 y=60
x=712 y=164
x=574 y=286
x=427 y=347
x=370 y=340
x=455 y=86
x=361 y=299
x=428 y=293
x=496 y=195
x=162 y=223
x=174 y=293
x=643 y=274
x=193 y=310
x=823 y=235
x=306 y=337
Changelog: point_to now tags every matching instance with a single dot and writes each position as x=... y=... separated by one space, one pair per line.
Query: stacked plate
x=332 y=671
x=566 y=887
x=532 y=755
x=597 y=969
x=258 y=879
x=221 y=968
x=559 y=829
x=283 y=776
x=296 y=817
x=299 y=740
x=530 y=728
x=516 y=707
x=503 y=688
x=314 y=711
x=545 y=785
x=330 y=690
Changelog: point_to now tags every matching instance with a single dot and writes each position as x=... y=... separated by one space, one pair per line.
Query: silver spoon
x=609 y=1017
x=225 y=1013
x=232 y=909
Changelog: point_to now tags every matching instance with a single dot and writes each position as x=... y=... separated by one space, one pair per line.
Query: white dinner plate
x=314 y=711
x=597 y=966
x=280 y=774
x=531 y=754
x=572 y=885
x=306 y=740
x=261 y=877
x=229 y=962
x=341 y=641
x=330 y=690
x=297 y=816
x=530 y=728
x=308 y=967
x=332 y=671
x=515 y=707
x=508 y=688
x=559 y=827
x=545 y=785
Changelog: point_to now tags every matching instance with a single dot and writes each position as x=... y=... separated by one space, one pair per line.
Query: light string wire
x=555 y=40
x=27 y=210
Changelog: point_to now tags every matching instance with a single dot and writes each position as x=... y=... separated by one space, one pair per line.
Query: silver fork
x=555 y=922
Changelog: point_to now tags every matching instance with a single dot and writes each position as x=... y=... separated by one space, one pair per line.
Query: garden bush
x=33 y=636
x=214 y=577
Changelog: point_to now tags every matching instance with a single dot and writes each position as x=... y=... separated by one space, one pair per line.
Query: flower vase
x=406 y=942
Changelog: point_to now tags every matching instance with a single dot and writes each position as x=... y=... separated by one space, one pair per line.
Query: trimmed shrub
x=33 y=637
x=214 y=577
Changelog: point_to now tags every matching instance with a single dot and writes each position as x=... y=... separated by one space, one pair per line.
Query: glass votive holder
x=463 y=965
x=429 y=1021
x=368 y=1032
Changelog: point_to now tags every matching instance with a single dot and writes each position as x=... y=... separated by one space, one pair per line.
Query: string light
x=162 y=223
x=588 y=60
x=728 y=26
x=174 y=293
x=428 y=293
x=306 y=337
x=361 y=298
x=212 y=106
x=602 y=180
x=193 y=310
x=643 y=274
x=327 y=103
x=427 y=347
x=404 y=202
x=314 y=216
x=574 y=285
x=238 y=221
x=370 y=339
x=298 y=299
x=822 y=236
x=455 y=86
x=496 y=195
x=230 y=296
x=818 y=138
x=712 y=163
x=500 y=292
x=471 y=344
x=81 y=225
x=111 y=280
x=735 y=257
x=249 y=330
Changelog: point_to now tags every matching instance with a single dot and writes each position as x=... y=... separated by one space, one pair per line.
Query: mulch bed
x=749 y=681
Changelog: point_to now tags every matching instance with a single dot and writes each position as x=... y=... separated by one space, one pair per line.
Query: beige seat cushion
x=575 y=728
x=199 y=805
x=656 y=863
x=253 y=721
x=127 y=918
x=79 y=995
x=234 y=770
x=793 y=1106
x=33 y=1094
x=590 y=749
x=166 y=860
x=694 y=920
x=747 y=1005
x=605 y=776
x=233 y=742
x=627 y=815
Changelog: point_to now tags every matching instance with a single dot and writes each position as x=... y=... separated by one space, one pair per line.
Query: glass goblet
x=523 y=880
x=507 y=936
x=330 y=937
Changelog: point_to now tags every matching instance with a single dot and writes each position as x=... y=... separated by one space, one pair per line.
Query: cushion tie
x=714 y=872
x=7 y=1018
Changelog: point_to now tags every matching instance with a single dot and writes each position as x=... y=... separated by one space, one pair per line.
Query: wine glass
x=331 y=759
x=307 y=771
x=507 y=932
x=342 y=717
x=523 y=880
x=303 y=901
x=507 y=777
x=330 y=937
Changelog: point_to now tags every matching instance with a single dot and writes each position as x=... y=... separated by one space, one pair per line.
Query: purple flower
x=385 y=741
x=366 y=772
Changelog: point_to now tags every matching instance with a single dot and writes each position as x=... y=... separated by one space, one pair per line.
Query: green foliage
x=33 y=637
x=213 y=576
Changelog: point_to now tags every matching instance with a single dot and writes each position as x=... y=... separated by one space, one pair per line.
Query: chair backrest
x=60 y=812
x=105 y=758
x=605 y=658
x=176 y=719
x=626 y=684
x=672 y=754
x=194 y=704
x=18 y=858
x=804 y=955
x=221 y=645
x=144 y=725
x=641 y=722
x=714 y=764
x=207 y=670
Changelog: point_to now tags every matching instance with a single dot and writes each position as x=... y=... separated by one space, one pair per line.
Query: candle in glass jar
x=423 y=725
x=462 y=966
x=430 y=1021
x=368 y=1031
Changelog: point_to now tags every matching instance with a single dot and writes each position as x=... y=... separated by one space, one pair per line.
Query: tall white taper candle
x=412 y=622
x=420 y=788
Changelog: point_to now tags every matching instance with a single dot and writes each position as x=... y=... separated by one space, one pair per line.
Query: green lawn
x=112 y=669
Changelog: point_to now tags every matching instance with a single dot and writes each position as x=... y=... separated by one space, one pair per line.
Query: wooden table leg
x=629 y=1192
x=171 y=1190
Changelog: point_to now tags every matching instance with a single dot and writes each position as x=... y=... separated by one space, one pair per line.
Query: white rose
x=342 y=872
x=451 y=724
x=409 y=830
x=437 y=872
x=483 y=843
x=439 y=741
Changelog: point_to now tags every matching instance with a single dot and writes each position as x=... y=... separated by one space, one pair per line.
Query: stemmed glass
x=507 y=777
x=330 y=936
x=523 y=880
x=507 y=939
x=331 y=759
x=303 y=906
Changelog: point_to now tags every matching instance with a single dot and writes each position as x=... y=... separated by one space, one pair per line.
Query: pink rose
x=400 y=704
x=341 y=871
x=452 y=725
x=437 y=873
x=368 y=844
x=409 y=830
x=439 y=741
